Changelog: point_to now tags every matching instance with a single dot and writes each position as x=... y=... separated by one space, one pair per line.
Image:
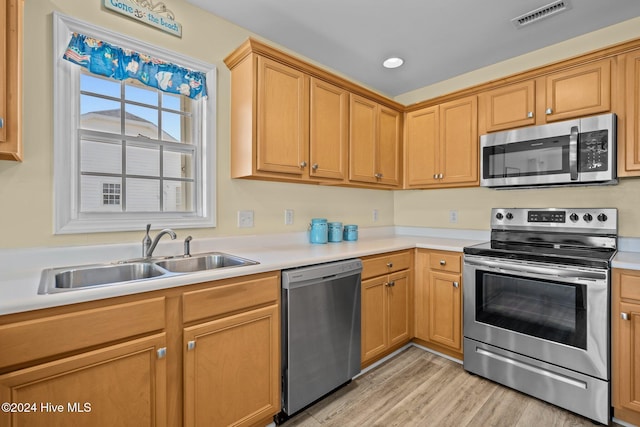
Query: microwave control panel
x=594 y=151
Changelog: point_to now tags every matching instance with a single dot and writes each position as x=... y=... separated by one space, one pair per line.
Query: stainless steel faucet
x=149 y=245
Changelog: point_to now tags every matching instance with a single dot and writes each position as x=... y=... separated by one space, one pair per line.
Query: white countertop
x=21 y=269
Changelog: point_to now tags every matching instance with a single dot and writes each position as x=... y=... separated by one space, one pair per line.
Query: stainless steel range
x=536 y=305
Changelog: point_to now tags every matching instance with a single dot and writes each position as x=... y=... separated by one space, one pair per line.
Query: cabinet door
x=11 y=23
x=579 y=91
x=363 y=135
x=422 y=139
x=399 y=308
x=630 y=151
x=508 y=107
x=121 y=385
x=421 y=296
x=374 y=317
x=232 y=369
x=459 y=141
x=628 y=369
x=445 y=300
x=389 y=147
x=282 y=140
x=3 y=71
x=329 y=131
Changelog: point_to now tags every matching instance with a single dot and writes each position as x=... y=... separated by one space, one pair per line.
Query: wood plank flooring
x=418 y=388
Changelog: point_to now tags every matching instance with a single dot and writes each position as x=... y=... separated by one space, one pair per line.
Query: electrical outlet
x=376 y=215
x=453 y=216
x=288 y=217
x=245 y=219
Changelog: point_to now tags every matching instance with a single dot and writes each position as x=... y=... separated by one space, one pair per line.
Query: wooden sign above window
x=156 y=15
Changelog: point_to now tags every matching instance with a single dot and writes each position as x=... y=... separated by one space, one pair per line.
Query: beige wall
x=26 y=205
x=430 y=208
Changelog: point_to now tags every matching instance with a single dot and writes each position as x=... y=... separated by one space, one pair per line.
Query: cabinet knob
x=443 y=262
x=549 y=111
x=435 y=176
x=391 y=284
x=303 y=164
x=530 y=114
x=439 y=176
x=162 y=352
x=191 y=345
x=456 y=284
x=389 y=264
x=378 y=175
x=314 y=166
x=625 y=316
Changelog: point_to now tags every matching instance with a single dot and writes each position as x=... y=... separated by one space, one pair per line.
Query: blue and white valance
x=108 y=60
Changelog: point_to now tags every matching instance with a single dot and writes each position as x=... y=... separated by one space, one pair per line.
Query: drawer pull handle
x=191 y=345
x=390 y=264
x=625 y=316
x=443 y=262
x=162 y=352
x=456 y=284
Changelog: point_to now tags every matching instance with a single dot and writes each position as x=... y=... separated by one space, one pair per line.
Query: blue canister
x=335 y=232
x=350 y=233
x=318 y=232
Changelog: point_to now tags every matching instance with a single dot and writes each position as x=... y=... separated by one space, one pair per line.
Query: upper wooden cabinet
x=441 y=145
x=629 y=132
x=374 y=143
x=582 y=90
x=11 y=79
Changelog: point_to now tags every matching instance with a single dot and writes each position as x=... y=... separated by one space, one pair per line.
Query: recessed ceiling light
x=392 y=62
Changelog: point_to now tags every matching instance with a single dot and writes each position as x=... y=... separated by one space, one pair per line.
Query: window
x=126 y=154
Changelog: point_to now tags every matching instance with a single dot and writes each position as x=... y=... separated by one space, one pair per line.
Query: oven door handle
x=573 y=153
x=548 y=271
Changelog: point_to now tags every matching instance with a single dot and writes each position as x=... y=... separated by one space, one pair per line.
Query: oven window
x=543 y=309
x=547 y=156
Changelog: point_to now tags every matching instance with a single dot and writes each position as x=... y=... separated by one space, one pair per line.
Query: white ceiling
x=437 y=39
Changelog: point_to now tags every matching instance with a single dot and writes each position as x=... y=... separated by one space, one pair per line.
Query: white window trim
x=65 y=145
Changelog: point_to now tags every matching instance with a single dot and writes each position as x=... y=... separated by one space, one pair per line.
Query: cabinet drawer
x=48 y=336
x=445 y=261
x=384 y=264
x=630 y=285
x=230 y=297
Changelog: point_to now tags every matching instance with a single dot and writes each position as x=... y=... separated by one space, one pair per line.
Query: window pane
x=96 y=84
x=141 y=121
x=143 y=160
x=141 y=94
x=102 y=157
x=92 y=194
x=177 y=164
x=143 y=195
x=171 y=101
x=99 y=114
x=176 y=127
x=178 y=196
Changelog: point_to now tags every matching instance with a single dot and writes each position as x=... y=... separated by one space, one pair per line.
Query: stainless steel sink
x=200 y=262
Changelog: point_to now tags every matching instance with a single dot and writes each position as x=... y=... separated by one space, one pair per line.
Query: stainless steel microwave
x=574 y=152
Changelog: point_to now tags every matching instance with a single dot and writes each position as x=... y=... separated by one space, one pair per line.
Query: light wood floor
x=418 y=388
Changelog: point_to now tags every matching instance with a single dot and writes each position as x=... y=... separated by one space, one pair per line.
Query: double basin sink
x=88 y=276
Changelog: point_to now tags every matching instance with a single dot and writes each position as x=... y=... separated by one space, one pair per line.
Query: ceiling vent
x=541 y=13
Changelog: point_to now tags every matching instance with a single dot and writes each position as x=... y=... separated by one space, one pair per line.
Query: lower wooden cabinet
x=438 y=301
x=625 y=327
x=386 y=304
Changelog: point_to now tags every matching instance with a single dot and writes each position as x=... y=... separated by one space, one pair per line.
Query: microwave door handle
x=573 y=153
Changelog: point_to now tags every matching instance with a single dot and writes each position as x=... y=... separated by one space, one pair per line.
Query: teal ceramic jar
x=350 y=233
x=318 y=231
x=335 y=232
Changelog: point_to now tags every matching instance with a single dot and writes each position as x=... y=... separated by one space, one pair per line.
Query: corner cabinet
x=438 y=301
x=386 y=304
x=11 y=13
x=441 y=145
x=374 y=143
x=625 y=326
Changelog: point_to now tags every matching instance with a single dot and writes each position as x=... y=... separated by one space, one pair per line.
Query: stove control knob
x=499 y=215
x=509 y=215
x=574 y=217
x=602 y=217
x=587 y=217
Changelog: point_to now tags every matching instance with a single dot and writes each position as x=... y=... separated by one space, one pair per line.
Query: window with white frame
x=127 y=153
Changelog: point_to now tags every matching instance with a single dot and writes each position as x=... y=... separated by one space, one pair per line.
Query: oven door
x=554 y=313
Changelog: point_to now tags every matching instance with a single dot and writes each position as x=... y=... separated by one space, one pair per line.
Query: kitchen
x=28 y=204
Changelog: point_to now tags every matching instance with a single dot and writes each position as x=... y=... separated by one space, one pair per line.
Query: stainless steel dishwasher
x=320 y=331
